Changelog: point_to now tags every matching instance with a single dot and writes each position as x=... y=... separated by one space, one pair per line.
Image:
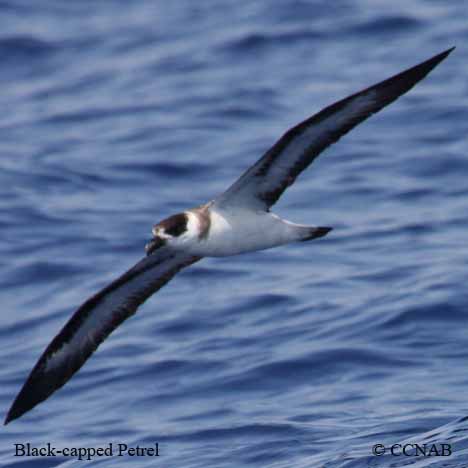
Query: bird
x=237 y=221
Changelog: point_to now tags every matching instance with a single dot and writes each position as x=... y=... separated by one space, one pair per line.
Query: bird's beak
x=154 y=244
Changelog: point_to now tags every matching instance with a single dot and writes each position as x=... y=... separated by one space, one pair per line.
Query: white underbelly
x=235 y=234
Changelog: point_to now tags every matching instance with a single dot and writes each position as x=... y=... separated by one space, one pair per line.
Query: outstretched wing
x=93 y=322
x=262 y=185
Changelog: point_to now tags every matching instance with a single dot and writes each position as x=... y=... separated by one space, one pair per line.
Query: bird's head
x=170 y=231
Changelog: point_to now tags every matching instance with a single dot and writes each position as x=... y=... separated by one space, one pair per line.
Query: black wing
x=92 y=323
x=263 y=184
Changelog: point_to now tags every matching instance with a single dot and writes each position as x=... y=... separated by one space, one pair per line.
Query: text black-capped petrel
x=237 y=221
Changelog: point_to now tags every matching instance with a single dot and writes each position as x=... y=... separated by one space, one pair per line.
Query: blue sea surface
x=117 y=114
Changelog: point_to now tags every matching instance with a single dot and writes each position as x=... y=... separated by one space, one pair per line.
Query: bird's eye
x=174 y=225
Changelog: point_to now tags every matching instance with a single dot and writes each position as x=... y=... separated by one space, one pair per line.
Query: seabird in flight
x=237 y=221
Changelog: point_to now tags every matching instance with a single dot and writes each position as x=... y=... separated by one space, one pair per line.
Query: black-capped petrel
x=237 y=221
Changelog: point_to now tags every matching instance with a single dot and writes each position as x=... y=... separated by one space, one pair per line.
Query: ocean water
x=117 y=114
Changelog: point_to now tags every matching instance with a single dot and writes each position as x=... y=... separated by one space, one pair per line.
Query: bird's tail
x=315 y=232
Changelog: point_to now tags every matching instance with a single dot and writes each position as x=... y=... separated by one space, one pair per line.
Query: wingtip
x=425 y=67
x=29 y=396
x=15 y=412
x=443 y=55
x=11 y=416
